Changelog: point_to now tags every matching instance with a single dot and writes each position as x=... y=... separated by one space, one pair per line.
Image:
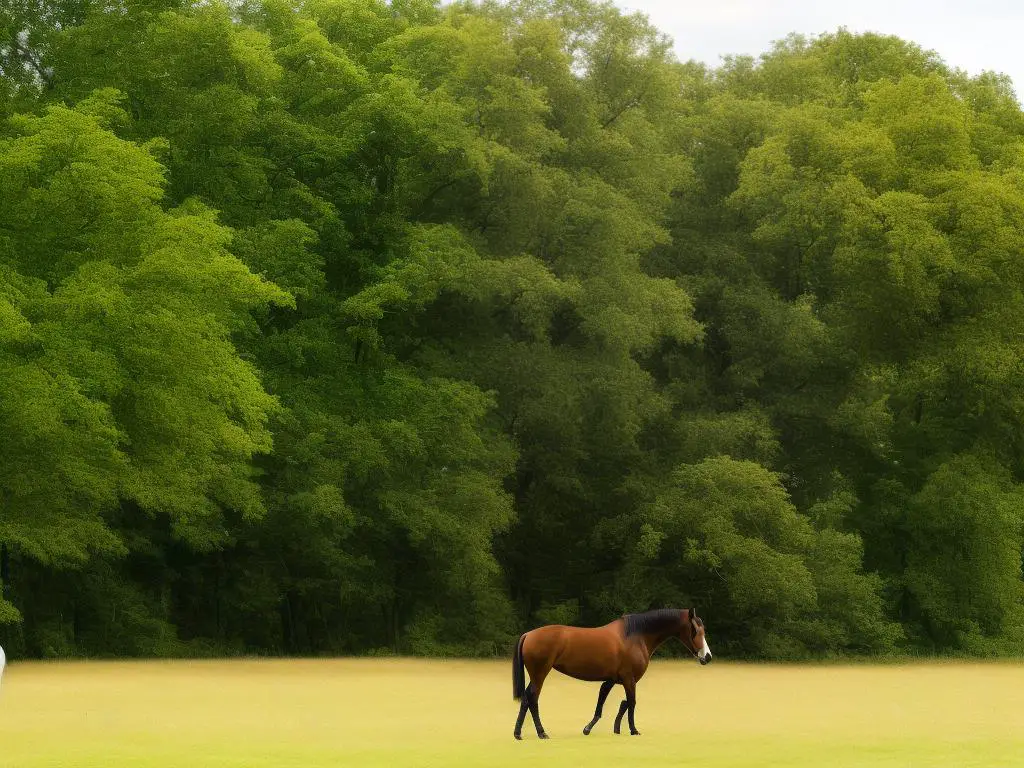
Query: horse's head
x=692 y=635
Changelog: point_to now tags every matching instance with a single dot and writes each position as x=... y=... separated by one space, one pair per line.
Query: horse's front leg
x=628 y=706
x=631 y=701
x=622 y=711
x=606 y=686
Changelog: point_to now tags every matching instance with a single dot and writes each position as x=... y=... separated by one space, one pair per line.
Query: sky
x=973 y=36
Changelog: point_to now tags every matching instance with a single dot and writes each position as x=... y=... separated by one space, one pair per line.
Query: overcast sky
x=973 y=36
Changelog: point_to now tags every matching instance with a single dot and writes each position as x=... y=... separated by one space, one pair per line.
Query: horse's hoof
x=543 y=735
x=586 y=731
x=616 y=731
x=519 y=736
x=634 y=733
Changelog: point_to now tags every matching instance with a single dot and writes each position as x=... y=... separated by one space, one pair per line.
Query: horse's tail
x=518 y=671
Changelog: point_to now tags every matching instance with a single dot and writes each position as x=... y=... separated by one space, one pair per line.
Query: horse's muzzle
x=705 y=659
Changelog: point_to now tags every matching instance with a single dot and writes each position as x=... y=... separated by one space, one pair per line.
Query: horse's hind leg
x=529 y=703
x=536 y=659
x=533 y=694
x=606 y=686
x=524 y=706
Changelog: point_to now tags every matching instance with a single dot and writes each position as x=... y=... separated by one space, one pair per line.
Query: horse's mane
x=660 y=620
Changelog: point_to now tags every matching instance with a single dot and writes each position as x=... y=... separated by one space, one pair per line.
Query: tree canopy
x=353 y=326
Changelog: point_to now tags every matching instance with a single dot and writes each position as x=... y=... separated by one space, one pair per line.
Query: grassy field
x=284 y=714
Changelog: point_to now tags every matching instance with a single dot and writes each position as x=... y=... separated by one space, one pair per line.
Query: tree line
x=352 y=326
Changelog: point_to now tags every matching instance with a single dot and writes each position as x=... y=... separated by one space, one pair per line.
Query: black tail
x=518 y=671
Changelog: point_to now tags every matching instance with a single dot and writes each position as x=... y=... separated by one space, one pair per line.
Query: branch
x=26 y=57
x=633 y=102
x=628 y=105
x=421 y=209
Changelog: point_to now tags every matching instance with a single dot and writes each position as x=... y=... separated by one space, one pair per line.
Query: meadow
x=401 y=712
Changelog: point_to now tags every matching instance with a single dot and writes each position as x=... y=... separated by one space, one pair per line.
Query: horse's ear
x=693 y=614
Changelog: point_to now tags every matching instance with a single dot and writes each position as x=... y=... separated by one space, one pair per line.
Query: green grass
x=396 y=712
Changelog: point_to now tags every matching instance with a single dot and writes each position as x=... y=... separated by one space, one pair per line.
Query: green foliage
x=963 y=562
x=783 y=587
x=351 y=326
x=123 y=383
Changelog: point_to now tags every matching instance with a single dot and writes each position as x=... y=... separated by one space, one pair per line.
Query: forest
x=366 y=327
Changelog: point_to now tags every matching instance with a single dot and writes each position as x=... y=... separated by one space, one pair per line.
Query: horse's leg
x=628 y=705
x=631 y=702
x=534 y=694
x=606 y=686
x=529 y=703
x=524 y=706
x=536 y=659
x=622 y=711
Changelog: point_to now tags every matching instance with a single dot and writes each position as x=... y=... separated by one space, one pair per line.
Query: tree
x=126 y=386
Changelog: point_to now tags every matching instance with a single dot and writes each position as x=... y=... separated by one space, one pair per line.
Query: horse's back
x=543 y=641
x=561 y=634
x=588 y=653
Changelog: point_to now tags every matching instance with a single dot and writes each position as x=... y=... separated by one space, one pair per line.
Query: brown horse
x=617 y=653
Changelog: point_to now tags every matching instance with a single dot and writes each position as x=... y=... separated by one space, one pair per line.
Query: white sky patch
x=978 y=36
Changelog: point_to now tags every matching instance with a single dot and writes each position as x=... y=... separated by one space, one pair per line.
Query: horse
x=615 y=654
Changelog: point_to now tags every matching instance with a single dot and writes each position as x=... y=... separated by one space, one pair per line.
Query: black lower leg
x=535 y=711
x=523 y=707
x=618 y=718
x=606 y=686
x=632 y=709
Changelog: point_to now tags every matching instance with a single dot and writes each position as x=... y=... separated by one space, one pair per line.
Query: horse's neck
x=654 y=640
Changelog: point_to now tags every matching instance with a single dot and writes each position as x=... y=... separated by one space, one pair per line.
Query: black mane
x=657 y=621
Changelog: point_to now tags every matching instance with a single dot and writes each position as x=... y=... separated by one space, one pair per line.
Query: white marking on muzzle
x=704 y=652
